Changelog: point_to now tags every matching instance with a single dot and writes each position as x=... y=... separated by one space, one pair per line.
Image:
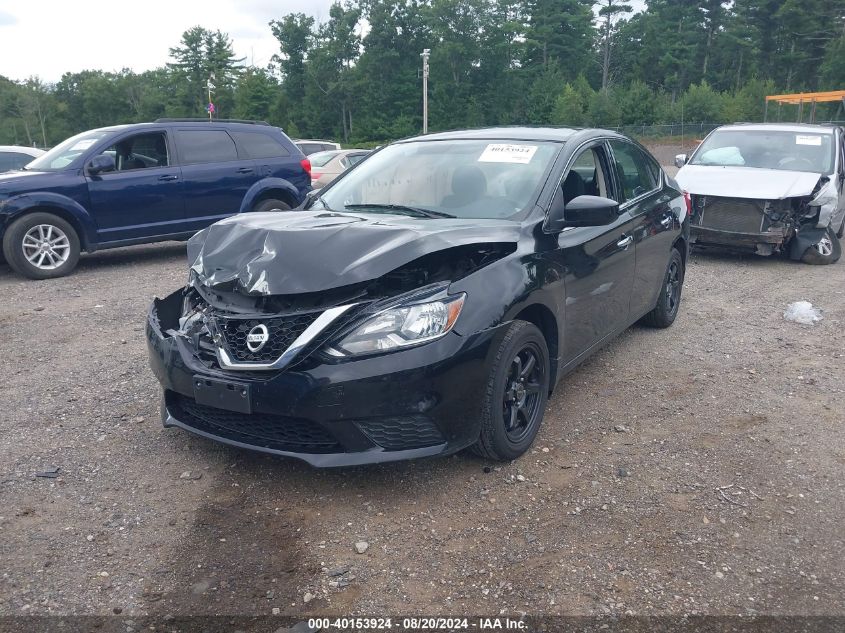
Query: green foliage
x=569 y=108
x=355 y=76
x=702 y=104
x=604 y=110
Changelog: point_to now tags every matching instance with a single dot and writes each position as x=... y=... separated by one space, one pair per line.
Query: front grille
x=282 y=331
x=275 y=432
x=400 y=433
x=736 y=215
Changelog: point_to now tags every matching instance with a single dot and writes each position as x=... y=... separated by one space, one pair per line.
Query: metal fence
x=684 y=130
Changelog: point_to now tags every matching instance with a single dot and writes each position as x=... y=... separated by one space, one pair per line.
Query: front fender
x=269 y=184
x=63 y=206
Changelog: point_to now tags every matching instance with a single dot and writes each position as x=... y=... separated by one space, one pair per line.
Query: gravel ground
x=692 y=470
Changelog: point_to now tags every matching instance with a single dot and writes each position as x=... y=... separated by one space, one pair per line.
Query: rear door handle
x=625 y=242
x=245 y=170
x=168 y=177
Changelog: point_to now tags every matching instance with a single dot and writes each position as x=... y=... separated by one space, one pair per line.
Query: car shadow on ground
x=113 y=258
x=720 y=255
x=132 y=255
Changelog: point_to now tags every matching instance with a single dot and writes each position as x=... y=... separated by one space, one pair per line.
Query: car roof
x=181 y=123
x=516 y=133
x=781 y=127
x=22 y=149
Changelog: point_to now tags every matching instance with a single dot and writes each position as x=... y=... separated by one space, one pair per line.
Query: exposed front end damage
x=261 y=371
x=790 y=225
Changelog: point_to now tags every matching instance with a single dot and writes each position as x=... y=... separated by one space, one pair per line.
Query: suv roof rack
x=204 y=120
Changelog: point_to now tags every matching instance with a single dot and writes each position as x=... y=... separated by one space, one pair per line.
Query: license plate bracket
x=223 y=394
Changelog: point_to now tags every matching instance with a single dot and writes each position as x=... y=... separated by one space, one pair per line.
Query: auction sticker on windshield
x=803 y=139
x=83 y=145
x=507 y=153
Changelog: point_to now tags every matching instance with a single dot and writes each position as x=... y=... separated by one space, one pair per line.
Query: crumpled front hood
x=310 y=251
x=746 y=182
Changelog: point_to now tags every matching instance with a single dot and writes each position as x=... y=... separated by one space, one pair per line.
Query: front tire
x=669 y=302
x=271 y=204
x=515 y=398
x=827 y=251
x=41 y=246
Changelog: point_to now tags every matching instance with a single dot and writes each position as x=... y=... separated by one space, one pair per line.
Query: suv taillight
x=688 y=200
x=306 y=165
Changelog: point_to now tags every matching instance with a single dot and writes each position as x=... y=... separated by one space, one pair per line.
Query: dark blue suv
x=147 y=182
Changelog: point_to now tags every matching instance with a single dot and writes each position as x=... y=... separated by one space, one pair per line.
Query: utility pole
x=210 y=108
x=425 y=55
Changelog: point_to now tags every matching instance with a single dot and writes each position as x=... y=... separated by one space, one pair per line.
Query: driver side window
x=585 y=177
x=141 y=151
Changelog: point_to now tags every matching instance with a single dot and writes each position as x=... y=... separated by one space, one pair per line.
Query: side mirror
x=581 y=211
x=681 y=160
x=309 y=199
x=100 y=164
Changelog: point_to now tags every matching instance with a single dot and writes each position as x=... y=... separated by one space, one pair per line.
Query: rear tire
x=827 y=251
x=669 y=301
x=41 y=246
x=514 y=400
x=271 y=204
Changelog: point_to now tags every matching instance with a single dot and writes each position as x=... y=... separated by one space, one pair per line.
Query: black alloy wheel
x=673 y=287
x=520 y=410
x=514 y=400
x=669 y=302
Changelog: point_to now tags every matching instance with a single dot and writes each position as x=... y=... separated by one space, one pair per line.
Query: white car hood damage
x=746 y=182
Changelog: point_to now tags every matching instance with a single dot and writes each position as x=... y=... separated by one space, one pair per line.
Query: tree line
x=356 y=76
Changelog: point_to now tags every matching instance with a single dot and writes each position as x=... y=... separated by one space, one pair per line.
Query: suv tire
x=669 y=301
x=271 y=204
x=41 y=246
x=827 y=251
x=514 y=400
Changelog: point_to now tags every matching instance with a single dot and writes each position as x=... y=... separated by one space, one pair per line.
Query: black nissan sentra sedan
x=426 y=301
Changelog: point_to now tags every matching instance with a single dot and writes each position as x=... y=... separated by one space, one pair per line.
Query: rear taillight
x=306 y=165
x=688 y=200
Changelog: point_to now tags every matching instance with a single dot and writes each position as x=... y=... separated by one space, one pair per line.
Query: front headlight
x=401 y=327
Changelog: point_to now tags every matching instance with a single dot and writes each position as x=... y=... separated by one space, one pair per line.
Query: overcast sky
x=49 y=37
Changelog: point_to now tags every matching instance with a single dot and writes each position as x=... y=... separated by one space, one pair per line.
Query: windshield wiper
x=400 y=208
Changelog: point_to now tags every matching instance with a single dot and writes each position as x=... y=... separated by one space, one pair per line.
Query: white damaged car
x=769 y=188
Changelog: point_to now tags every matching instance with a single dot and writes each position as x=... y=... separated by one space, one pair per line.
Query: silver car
x=326 y=166
x=769 y=188
x=14 y=157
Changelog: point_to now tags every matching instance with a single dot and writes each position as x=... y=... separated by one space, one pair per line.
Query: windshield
x=768 y=149
x=464 y=179
x=321 y=158
x=64 y=154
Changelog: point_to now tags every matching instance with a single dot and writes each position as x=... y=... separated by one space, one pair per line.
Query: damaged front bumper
x=406 y=404
x=763 y=227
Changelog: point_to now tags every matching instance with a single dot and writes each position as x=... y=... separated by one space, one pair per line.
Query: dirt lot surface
x=692 y=470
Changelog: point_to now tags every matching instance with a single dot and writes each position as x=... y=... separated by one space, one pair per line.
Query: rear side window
x=14 y=160
x=205 y=146
x=636 y=171
x=321 y=159
x=354 y=159
x=310 y=148
x=257 y=145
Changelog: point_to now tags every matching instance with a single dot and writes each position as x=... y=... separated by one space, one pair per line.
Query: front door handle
x=245 y=170
x=666 y=222
x=625 y=242
x=168 y=177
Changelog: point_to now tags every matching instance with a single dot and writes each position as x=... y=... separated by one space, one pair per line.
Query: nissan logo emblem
x=257 y=338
